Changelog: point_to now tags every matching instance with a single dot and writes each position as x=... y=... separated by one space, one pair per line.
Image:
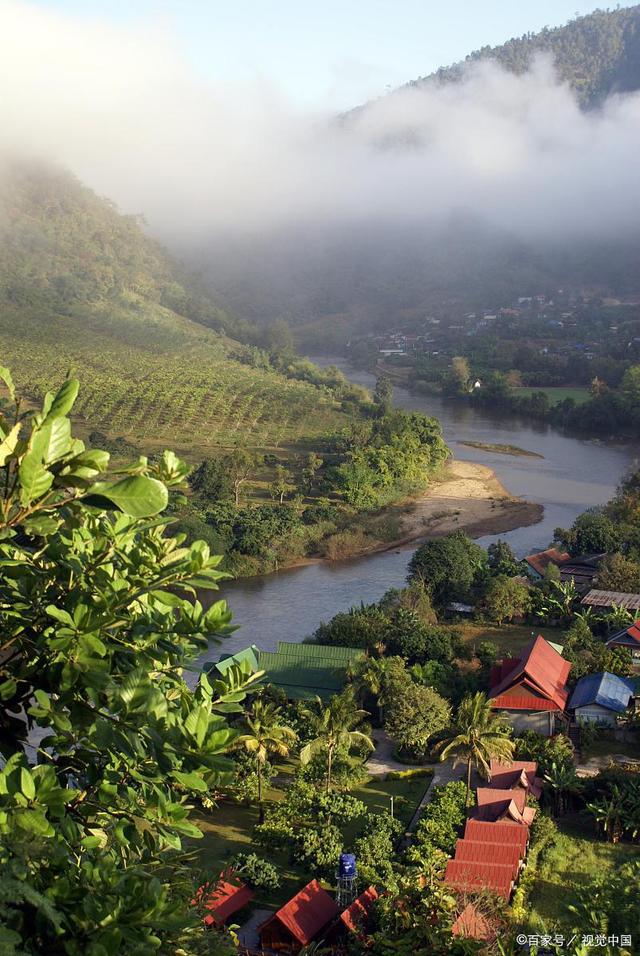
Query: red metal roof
x=355 y=914
x=542 y=671
x=628 y=638
x=224 y=900
x=517 y=773
x=492 y=804
x=466 y=875
x=542 y=559
x=307 y=912
x=472 y=924
x=502 y=702
x=482 y=852
x=498 y=832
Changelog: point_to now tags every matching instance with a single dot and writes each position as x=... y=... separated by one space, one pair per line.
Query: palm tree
x=265 y=735
x=609 y=813
x=479 y=736
x=335 y=729
x=368 y=677
x=617 y=618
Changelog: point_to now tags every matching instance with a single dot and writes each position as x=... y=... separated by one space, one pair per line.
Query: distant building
x=516 y=774
x=601 y=698
x=532 y=689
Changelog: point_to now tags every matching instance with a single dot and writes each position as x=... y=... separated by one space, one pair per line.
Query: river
x=574 y=474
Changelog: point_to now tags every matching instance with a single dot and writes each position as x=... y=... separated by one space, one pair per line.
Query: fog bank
x=124 y=111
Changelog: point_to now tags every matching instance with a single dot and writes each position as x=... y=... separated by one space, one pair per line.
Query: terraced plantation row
x=156 y=382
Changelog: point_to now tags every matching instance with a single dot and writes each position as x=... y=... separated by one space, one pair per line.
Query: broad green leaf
x=8 y=446
x=27 y=784
x=60 y=615
x=6 y=377
x=137 y=496
x=64 y=399
x=8 y=689
x=190 y=780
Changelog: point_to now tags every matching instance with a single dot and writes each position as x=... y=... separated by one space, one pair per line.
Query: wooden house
x=300 y=921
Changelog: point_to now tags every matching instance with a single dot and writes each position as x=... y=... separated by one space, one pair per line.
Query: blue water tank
x=347 y=866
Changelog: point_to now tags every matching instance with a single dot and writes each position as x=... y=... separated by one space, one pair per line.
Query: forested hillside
x=597 y=55
x=83 y=288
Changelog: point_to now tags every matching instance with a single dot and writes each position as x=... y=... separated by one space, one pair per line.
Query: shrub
x=256 y=871
x=409 y=773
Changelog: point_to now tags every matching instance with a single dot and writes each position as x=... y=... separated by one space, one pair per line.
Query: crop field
x=156 y=381
x=556 y=395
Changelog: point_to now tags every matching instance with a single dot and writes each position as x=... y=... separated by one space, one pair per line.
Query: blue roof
x=606 y=690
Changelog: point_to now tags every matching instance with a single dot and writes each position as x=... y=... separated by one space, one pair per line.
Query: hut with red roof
x=629 y=639
x=532 y=689
x=300 y=920
x=494 y=805
x=514 y=774
x=220 y=901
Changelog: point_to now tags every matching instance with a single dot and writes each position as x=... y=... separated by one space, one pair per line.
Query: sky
x=328 y=53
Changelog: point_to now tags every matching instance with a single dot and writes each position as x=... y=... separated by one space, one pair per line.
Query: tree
x=506 y=598
x=562 y=780
x=593 y=532
x=211 y=479
x=618 y=573
x=383 y=395
x=313 y=463
x=280 y=485
x=478 y=736
x=502 y=560
x=98 y=626
x=415 y=713
x=447 y=566
x=460 y=375
x=239 y=464
x=265 y=734
x=335 y=728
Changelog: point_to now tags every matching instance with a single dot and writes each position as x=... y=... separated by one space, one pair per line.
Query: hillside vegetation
x=597 y=55
x=82 y=288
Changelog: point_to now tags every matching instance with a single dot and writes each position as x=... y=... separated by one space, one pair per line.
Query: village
x=577 y=723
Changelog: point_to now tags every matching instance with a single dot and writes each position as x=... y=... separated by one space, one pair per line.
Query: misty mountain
x=463 y=245
x=597 y=55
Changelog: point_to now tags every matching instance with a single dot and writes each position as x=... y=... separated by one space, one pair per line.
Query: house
x=516 y=773
x=353 y=920
x=301 y=671
x=532 y=689
x=601 y=698
x=471 y=877
x=494 y=806
x=221 y=902
x=300 y=920
x=538 y=563
x=582 y=570
x=606 y=600
x=481 y=832
x=507 y=854
x=305 y=671
x=629 y=639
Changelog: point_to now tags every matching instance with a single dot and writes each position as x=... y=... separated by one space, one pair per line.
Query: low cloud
x=123 y=109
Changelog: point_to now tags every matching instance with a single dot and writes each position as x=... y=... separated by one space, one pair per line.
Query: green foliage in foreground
x=104 y=747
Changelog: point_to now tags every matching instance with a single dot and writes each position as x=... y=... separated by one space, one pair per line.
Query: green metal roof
x=304 y=671
x=249 y=655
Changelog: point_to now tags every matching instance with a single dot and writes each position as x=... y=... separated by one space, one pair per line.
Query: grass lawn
x=510 y=639
x=576 y=859
x=604 y=748
x=228 y=830
x=556 y=395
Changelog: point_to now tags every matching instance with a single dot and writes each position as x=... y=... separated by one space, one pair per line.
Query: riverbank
x=468 y=497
